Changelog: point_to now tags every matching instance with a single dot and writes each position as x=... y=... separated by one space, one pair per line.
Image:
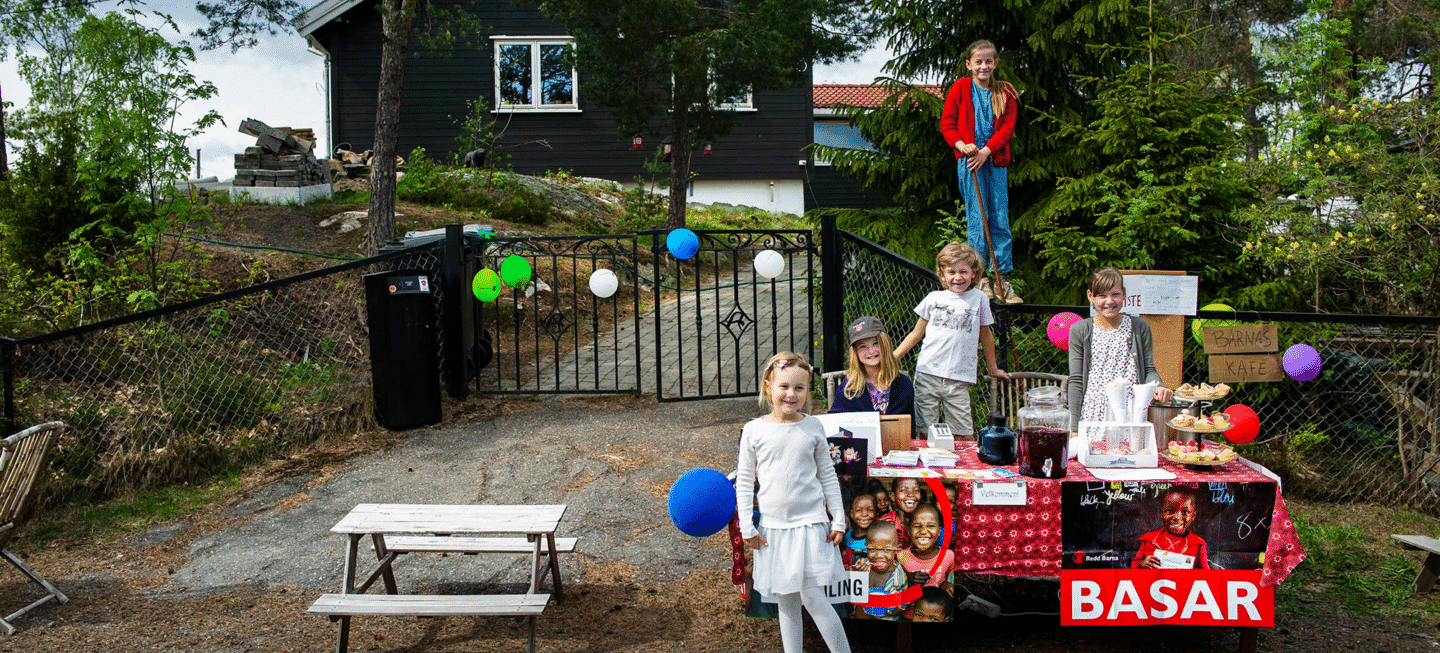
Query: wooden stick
x=994 y=266
x=989 y=246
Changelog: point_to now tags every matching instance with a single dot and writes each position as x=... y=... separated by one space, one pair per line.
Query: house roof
x=826 y=96
x=324 y=12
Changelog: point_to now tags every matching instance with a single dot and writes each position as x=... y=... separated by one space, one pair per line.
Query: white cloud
x=278 y=82
x=862 y=71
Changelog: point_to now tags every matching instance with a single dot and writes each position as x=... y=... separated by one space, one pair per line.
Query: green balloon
x=515 y=270
x=1197 y=326
x=486 y=285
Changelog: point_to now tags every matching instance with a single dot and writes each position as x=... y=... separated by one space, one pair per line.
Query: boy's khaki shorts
x=933 y=393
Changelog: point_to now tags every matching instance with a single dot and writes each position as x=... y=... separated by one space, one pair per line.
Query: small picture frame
x=850 y=455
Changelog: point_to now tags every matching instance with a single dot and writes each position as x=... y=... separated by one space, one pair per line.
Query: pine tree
x=1161 y=180
x=1042 y=48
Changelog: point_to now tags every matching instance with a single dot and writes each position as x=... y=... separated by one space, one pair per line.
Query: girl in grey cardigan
x=1108 y=347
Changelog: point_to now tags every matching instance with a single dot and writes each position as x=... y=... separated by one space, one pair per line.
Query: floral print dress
x=1110 y=359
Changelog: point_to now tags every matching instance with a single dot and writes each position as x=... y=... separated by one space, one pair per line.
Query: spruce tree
x=1042 y=47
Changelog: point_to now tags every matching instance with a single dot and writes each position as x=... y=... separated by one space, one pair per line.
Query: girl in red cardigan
x=978 y=121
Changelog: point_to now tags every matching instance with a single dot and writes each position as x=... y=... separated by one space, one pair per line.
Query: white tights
x=792 y=631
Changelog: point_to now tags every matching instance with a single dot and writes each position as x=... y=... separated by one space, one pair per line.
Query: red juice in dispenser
x=1042 y=450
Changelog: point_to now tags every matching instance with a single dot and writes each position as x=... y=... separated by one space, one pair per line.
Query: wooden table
x=1026 y=540
x=396 y=529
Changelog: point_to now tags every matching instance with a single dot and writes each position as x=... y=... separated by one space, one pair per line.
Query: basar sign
x=1138 y=597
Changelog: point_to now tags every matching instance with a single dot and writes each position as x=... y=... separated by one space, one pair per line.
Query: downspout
x=318 y=50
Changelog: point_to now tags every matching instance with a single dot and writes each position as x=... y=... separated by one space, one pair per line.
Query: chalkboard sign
x=1102 y=521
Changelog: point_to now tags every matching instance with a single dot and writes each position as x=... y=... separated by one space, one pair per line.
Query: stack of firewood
x=282 y=157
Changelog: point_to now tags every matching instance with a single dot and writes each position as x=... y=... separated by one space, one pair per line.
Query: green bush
x=211 y=397
x=426 y=181
x=46 y=198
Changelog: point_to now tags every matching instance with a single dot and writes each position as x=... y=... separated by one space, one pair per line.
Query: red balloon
x=1245 y=424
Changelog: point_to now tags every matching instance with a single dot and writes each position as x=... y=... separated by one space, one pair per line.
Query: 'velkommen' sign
x=1148 y=597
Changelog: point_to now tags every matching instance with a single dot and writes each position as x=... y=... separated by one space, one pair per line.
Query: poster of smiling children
x=897 y=549
x=1115 y=525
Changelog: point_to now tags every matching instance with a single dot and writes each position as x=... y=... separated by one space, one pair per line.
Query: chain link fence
x=1368 y=429
x=178 y=393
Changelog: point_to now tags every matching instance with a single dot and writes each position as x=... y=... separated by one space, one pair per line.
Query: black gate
x=552 y=334
x=717 y=319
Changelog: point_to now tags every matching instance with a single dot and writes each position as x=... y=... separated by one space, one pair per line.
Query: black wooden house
x=541 y=106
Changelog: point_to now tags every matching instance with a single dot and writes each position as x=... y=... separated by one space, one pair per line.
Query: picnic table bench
x=397 y=529
x=1431 y=567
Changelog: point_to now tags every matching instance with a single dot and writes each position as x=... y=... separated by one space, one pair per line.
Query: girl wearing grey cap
x=873 y=381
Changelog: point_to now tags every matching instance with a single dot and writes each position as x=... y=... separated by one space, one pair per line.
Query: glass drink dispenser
x=1042 y=448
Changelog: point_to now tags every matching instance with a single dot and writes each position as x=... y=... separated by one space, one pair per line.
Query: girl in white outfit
x=802 y=518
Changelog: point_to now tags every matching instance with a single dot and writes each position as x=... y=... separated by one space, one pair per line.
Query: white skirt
x=796 y=558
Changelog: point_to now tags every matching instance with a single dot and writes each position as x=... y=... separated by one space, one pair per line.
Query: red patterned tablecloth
x=1025 y=540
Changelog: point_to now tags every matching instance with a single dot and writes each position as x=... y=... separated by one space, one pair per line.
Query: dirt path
x=238 y=577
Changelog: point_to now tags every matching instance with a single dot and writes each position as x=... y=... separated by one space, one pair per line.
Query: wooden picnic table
x=396 y=529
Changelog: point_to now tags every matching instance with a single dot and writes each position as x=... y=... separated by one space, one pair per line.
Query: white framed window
x=532 y=73
x=742 y=101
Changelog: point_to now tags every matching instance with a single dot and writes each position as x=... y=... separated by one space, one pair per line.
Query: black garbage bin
x=404 y=368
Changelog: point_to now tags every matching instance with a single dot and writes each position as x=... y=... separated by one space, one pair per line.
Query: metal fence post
x=832 y=294
x=656 y=251
x=7 y=359
x=452 y=317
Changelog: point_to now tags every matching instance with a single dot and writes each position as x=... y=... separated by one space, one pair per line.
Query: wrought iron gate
x=552 y=335
x=716 y=319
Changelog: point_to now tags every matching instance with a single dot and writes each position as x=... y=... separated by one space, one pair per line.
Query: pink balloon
x=1059 y=329
x=1244 y=424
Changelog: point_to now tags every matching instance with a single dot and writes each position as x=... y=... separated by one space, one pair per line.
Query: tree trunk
x=1340 y=94
x=1252 y=108
x=397 y=18
x=4 y=158
x=679 y=165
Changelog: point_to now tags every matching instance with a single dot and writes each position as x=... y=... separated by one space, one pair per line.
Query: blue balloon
x=682 y=243
x=702 y=501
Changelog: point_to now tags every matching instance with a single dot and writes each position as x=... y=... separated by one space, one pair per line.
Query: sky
x=281 y=82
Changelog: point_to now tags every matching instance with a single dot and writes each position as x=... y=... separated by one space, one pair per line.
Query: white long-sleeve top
x=797 y=477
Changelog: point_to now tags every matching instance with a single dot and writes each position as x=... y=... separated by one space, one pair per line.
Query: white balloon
x=769 y=264
x=604 y=283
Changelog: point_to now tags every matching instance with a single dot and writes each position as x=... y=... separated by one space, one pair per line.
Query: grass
x=121 y=516
x=1351 y=562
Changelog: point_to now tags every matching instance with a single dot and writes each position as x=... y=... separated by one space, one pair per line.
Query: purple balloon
x=1302 y=362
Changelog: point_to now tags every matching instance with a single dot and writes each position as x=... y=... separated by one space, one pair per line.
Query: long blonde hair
x=997 y=100
x=780 y=361
x=855 y=370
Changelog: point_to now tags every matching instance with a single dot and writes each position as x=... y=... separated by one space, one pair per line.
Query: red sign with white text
x=1148 y=597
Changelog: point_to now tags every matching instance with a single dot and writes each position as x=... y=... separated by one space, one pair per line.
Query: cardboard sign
x=1167 y=331
x=1148 y=597
x=1161 y=294
x=1242 y=339
x=854 y=587
x=1246 y=367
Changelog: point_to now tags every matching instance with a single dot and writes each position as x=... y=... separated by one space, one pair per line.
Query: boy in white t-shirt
x=952 y=322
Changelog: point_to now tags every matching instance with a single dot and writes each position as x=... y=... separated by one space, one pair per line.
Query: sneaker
x=986 y=287
x=1008 y=291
